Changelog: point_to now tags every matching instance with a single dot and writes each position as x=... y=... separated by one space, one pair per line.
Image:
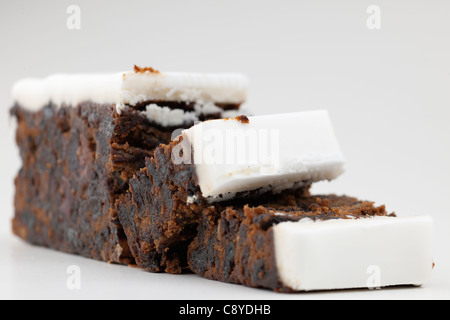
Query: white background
x=388 y=92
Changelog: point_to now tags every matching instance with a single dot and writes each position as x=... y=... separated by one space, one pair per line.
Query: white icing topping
x=69 y=90
x=354 y=253
x=176 y=86
x=167 y=117
x=131 y=88
x=207 y=109
x=276 y=152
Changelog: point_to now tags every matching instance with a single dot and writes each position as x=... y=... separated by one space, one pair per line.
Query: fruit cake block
x=82 y=137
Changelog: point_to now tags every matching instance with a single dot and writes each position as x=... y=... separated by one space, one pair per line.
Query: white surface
x=387 y=92
x=278 y=150
x=130 y=88
x=36 y=273
x=355 y=253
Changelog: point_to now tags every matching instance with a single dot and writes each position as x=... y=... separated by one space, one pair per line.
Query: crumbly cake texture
x=156 y=218
x=78 y=159
x=72 y=168
x=236 y=245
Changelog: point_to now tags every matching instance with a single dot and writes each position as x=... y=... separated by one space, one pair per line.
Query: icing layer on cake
x=276 y=152
x=354 y=253
x=131 y=88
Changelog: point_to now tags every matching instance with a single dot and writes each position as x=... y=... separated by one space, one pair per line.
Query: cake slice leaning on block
x=234 y=194
x=82 y=137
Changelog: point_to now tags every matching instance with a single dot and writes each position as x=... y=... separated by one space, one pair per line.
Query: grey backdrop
x=388 y=90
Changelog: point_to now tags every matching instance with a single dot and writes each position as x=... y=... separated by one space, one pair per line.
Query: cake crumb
x=243 y=119
x=146 y=69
